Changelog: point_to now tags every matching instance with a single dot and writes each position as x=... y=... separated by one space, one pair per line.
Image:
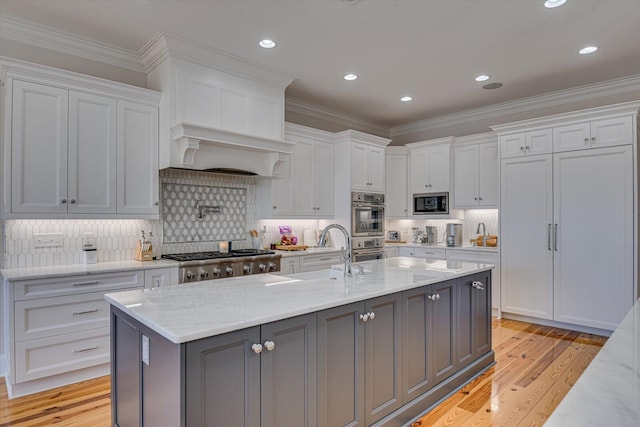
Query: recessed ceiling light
x=350 y=77
x=482 y=78
x=406 y=99
x=587 y=50
x=490 y=86
x=267 y=44
x=551 y=4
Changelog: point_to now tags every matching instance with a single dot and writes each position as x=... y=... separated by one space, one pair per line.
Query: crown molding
x=53 y=39
x=552 y=99
x=357 y=136
x=163 y=46
x=479 y=138
x=294 y=129
x=420 y=144
x=295 y=105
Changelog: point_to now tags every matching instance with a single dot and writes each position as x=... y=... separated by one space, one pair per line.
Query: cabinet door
x=538 y=142
x=341 y=379
x=488 y=175
x=572 y=137
x=359 y=172
x=39 y=138
x=222 y=384
x=611 y=132
x=282 y=189
x=288 y=373
x=416 y=342
x=512 y=145
x=159 y=277
x=473 y=318
x=593 y=278
x=391 y=252
x=375 y=169
x=137 y=157
x=419 y=171
x=466 y=176
x=396 y=203
x=526 y=216
x=324 y=185
x=383 y=357
x=289 y=265
x=92 y=154
x=439 y=168
x=442 y=327
x=304 y=173
x=125 y=372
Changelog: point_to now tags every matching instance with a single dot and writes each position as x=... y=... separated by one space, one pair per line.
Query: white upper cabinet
x=39 y=139
x=78 y=147
x=476 y=181
x=526 y=144
x=367 y=167
x=396 y=199
x=429 y=166
x=595 y=134
x=138 y=178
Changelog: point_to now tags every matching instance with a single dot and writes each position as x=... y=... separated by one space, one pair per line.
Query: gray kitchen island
x=378 y=348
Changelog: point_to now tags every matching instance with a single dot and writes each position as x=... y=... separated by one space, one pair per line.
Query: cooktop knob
x=204 y=273
x=191 y=275
x=262 y=268
x=272 y=266
x=229 y=271
x=246 y=269
x=216 y=272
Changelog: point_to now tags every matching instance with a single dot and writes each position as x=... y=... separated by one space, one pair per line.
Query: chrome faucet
x=484 y=233
x=346 y=256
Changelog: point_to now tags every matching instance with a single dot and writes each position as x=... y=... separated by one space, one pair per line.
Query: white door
x=439 y=168
x=395 y=197
x=39 y=138
x=375 y=169
x=593 y=265
x=488 y=175
x=359 y=159
x=304 y=173
x=419 y=171
x=324 y=184
x=92 y=154
x=137 y=158
x=611 y=132
x=466 y=176
x=526 y=215
x=572 y=137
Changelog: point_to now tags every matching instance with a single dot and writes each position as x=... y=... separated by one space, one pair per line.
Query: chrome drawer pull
x=95 y=282
x=95 y=347
x=77 y=313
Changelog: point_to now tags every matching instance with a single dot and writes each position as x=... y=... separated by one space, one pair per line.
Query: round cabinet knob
x=274 y=207
x=437 y=296
x=63 y=201
x=272 y=266
x=156 y=203
x=269 y=345
x=522 y=148
x=216 y=272
x=204 y=273
x=364 y=317
x=527 y=147
x=426 y=185
x=372 y=315
x=586 y=140
x=475 y=198
x=593 y=139
x=191 y=275
x=229 y=271
x=257 y=348
x=72 y=201
x=262 y=268
x=479 y=198
x=246 y=269
x=432 y=297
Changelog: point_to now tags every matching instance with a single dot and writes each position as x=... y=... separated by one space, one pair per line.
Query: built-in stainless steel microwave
x=431 y=204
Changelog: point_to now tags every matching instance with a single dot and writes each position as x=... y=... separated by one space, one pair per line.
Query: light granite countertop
x=198 y=310
x=608 y=392
x=30 y=273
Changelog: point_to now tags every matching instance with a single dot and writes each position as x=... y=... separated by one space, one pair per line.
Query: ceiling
x=429 y=49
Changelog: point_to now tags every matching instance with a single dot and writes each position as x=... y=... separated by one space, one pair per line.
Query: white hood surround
x=217 y=110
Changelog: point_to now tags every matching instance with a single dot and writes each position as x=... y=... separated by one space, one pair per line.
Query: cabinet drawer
x=319 y=260
x=46 y=317
x=57 y=286
x=55 y=355
x=468 y=256
x=430 y=253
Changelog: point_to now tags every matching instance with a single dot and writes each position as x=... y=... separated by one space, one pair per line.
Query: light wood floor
x=536 y=366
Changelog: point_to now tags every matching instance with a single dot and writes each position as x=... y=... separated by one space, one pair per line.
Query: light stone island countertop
x=198 y=310
x=30 y=273
x=608 y=392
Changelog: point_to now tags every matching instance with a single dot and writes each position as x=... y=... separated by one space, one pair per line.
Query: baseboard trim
x=553 y=323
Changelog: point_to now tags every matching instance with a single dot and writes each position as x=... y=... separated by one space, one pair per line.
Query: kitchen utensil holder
x=141 y=254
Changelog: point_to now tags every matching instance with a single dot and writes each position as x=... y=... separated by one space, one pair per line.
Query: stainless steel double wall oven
x=367 y=226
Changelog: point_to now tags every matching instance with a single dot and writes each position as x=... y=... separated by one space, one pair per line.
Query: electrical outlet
x=48 y=240
x=88 y=240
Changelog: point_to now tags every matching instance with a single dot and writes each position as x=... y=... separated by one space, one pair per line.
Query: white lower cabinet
x=158 y=277
x=290 y=265
x=423 y=252
x=59 y=326
x=322 y=261
x=391 y=251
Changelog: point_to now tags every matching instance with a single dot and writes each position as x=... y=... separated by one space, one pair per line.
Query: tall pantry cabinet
x=568 y=219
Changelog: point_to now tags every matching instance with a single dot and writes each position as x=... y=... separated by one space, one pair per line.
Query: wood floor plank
x=535 y=367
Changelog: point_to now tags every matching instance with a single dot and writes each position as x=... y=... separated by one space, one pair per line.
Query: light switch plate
x=88 y=240
x=48 y=240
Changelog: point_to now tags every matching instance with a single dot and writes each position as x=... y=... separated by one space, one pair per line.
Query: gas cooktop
x=199 y=256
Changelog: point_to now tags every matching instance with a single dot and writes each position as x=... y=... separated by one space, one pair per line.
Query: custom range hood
x=218 y=112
